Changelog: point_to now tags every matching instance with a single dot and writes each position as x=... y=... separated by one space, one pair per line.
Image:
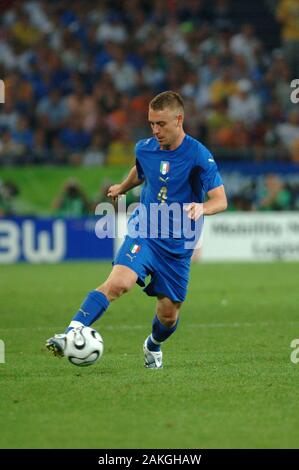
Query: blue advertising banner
x=51 y=240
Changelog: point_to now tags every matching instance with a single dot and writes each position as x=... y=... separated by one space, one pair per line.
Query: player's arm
x=217 y=202
x=130 y=182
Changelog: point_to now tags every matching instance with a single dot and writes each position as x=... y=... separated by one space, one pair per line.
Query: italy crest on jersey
x=164 y=168
x=135 y=248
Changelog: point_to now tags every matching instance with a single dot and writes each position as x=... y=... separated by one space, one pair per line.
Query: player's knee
x=170 y=322
x=166 y=322
x=116 y=288
x=123 y=286
x=169 y=318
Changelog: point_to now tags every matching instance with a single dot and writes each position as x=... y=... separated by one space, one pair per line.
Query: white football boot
x=57 y=344
x=152 y=359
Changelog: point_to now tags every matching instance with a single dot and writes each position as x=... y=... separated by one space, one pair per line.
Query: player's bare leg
x=120 y=280
x=164 y=325
x=168 y=311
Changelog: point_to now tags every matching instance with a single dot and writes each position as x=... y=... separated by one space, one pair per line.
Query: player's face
x=166 y=125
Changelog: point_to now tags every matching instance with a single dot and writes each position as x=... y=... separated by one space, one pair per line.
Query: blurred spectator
x=234 y=137
x=73 y=136
x=23 y=134
x=275 y=196
x=240 y=203
x=152 y=73
x=245 y=199
x=40 y=152
x=218 y=118
x=72 y=202
x=288 y=14
x=9 y=116
x=246 y=44
x=112 y=29
x=25 y=33
x=281 y=78
x=195 y=11
x=223 y=87
x=52 y=110
x=8 y=190
x=122 y=73
x=10 y=151
x=121 y=151
x=288 y=132
x=95 y=154
x=244 y=106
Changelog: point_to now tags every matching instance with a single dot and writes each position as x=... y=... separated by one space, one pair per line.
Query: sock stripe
x=75 y=324
x=155 y=341
x=153 y=346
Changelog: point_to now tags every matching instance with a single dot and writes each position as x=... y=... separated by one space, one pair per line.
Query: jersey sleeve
x=208 y=173
x=140 y=172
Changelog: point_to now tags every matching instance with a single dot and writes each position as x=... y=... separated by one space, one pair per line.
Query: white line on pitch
x=187 y=325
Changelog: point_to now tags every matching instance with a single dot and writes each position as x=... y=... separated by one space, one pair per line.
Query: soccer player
x=174 y=168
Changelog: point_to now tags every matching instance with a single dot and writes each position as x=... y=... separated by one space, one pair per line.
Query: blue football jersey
x=180 y=176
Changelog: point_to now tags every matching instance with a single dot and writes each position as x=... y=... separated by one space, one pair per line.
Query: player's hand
x=114 y=191
x=194 y=210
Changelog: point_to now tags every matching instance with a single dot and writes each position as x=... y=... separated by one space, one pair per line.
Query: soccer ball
x=84 y=346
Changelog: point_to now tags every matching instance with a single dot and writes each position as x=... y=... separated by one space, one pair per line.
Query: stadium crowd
x=79 y=75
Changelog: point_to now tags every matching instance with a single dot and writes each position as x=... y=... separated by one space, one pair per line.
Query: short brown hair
x=167 y=99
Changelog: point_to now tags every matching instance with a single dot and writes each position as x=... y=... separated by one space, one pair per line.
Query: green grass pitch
x=227 y=381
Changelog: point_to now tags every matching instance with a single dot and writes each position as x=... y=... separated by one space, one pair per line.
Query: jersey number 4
x=162 y=194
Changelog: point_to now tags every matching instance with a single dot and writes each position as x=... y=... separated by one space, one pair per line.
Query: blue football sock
x=159 y=334
x=93 y=307
x=153 y=345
